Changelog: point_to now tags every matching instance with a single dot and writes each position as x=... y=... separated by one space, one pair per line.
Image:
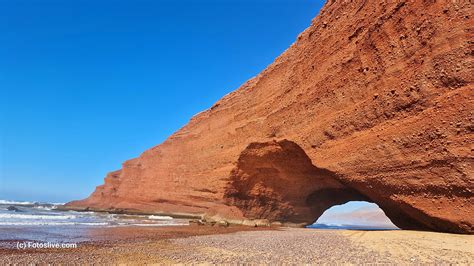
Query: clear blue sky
x=86 y=85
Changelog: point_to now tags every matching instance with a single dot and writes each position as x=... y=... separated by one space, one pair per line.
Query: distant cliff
x=372 y=102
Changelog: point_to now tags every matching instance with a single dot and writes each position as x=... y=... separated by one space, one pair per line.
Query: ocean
x=14 y=213
x=352 y=227
x=42 y=221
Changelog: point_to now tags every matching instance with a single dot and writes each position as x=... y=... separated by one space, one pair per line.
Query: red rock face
x=372 y=102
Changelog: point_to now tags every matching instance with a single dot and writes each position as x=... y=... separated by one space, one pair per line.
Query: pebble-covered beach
x=207 y=244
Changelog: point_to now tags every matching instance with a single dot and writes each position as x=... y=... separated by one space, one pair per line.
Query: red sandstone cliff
x=372 y=102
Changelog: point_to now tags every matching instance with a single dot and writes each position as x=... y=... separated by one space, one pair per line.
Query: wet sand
x=207 y=244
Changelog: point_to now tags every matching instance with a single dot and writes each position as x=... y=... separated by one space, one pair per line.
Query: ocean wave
x=12 y=202
x=45 y=207
x=167 y=224
x=29 y=203
x=35 y=217
x=54 y=223
x=158 y=217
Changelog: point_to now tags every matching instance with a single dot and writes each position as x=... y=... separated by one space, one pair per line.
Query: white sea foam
x=45 y=208
x=167 y=224
x=158 y=217
x=45 y=214
x=52 y=223
x=12 y=202
x=35 y=217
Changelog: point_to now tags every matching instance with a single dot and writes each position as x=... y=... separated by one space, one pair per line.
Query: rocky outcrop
x=372 y=102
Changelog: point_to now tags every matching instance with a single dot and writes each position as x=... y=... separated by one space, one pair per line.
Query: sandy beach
x=207 y=244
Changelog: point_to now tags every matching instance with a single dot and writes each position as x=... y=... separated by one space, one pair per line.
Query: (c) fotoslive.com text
x=44 y=245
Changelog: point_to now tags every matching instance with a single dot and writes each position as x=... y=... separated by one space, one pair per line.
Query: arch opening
x=356 y=215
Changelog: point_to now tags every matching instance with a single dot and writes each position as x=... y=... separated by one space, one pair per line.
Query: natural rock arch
x=377 y=93
x=277 y=181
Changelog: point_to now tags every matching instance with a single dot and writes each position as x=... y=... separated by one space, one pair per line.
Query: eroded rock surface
x=372 y=102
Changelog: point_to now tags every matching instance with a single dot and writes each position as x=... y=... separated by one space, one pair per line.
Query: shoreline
x=130 y=234
x=104 y=240
x=201 y=219
x=130 y=211
x=218 y=244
